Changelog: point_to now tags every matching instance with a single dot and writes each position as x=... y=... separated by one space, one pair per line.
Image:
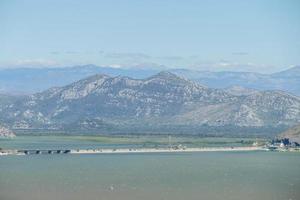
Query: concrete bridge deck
x=44 y=151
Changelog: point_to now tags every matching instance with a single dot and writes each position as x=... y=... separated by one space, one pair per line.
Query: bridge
x=49 y=151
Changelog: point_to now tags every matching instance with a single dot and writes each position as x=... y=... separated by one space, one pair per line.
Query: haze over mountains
x=32 y=80
x=162 y=103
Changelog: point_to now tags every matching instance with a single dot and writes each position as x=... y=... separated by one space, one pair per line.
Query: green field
x=159 y=140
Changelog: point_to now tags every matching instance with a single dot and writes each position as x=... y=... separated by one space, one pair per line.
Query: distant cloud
x=31 y=63
x=142 y=60
x=127 y=56
x=55 y=52
x=115 y=66
x=171 y=58
x=149 y=65
x=240 y=53
x=72 y=52
x=224 y=65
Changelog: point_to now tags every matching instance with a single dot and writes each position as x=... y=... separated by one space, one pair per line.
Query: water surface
x=170 y=176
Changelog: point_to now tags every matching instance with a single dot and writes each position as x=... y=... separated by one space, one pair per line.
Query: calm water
x=206 y=175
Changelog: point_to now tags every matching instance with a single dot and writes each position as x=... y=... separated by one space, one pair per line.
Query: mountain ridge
x=163 y=102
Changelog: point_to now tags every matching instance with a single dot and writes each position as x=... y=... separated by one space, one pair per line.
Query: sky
x=213 y=35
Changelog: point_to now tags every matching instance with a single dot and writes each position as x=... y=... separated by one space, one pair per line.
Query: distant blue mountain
x=288 y=80
x=31 y=80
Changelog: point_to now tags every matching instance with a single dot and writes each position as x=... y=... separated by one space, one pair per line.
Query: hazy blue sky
x=240 y=35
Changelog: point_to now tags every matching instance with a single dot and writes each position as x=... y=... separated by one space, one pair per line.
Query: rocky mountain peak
x=166 y=75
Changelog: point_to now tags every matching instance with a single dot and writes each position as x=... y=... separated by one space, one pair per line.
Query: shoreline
x=132 y=150
x=167 y=150
x=141 y=150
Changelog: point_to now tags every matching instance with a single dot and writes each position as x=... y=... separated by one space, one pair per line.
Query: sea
x=146 y=176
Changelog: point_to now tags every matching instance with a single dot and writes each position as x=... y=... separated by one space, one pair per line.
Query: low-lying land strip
x=134 y=150
x=166 y=150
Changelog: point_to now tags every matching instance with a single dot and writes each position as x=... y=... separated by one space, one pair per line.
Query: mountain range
x=162 y=103
x=32 y=80
x=288 y=80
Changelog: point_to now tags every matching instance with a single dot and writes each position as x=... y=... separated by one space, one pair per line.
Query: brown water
x=174 y=176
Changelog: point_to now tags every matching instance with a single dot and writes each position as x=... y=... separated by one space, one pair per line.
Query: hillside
x=293 y=134
x=163 y=103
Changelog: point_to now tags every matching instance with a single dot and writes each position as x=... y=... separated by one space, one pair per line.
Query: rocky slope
x=161 y=103
x=240 y=91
